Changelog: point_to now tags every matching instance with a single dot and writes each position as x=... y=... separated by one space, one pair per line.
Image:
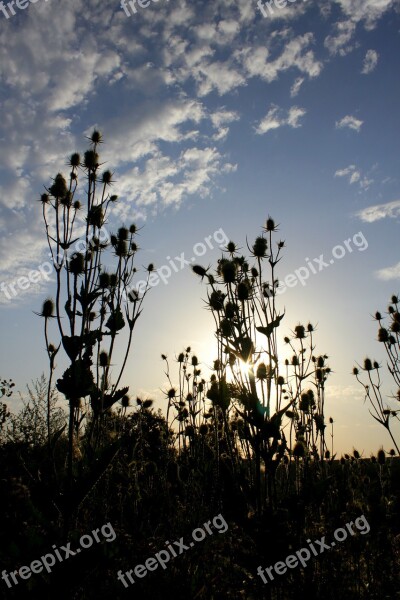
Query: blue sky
x=213 y=117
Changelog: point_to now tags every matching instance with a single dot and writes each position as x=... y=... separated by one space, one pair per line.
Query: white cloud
x=338 y=43
x=370 y=62
x=294 y=90
x=377 y=212
x=389 y=273
x=354 y=175
x=296 y=53
x=350 y=122
x=366 y=11
x=275 y=118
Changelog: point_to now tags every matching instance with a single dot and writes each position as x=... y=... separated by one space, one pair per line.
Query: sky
x=215 y=115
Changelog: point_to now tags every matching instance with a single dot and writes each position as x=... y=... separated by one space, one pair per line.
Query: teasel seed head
x=381 y=456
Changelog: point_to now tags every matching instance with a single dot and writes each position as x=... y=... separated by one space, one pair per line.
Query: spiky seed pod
x=217 y=365
x=91 y=160
x=75 y=160
x=203 y=429
x=373 y=458
x=381 y=456
x=230 y=310
x=355 y=371
x=320 y=361
x=195 y=361
x=286 y=340
x=123 y=233
x=96 y=137
x=150 y=268
x=59 y=187
x=319 y=374
x=199 y=270
x=391 y=310
x=242 y=291
x=300 y=332
x=147 y=403
x=378 y=316
x=392 y=339
x=310 y=328
x=181 y=357
x=327 y=454
x=299 y=450
x=228 y=271
x=44 y=198
x=133 y=229
x=260 y=247
x=107 y=177
x=103 y=359
x=304 y=404
x=394 y=300
x=216 y=300
x=231 y=247
x=262 y=371
x=295 y=361
x=171 y=393
x=226 y=328
x=104 y=280
x=77 y=205
x=280 y=381
x=392 y=452
x=342 y=461
x=270 y=224
x=281 y=244
x=376 y=364
x=125 y=401
x=113 y=198
x=254 y=272
x=77 y=264
x=367 y=364
x=356 y=454
x=330 y=420
x=113 y=279
x=47 y=308
x=395 y=327
x=383 y=335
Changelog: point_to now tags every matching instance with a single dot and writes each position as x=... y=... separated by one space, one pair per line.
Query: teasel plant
x=389 y=336
x=93 y=301
x=188 y=408
x=243 y=301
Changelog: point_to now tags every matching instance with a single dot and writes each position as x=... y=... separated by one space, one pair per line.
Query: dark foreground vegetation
x=249 y=441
